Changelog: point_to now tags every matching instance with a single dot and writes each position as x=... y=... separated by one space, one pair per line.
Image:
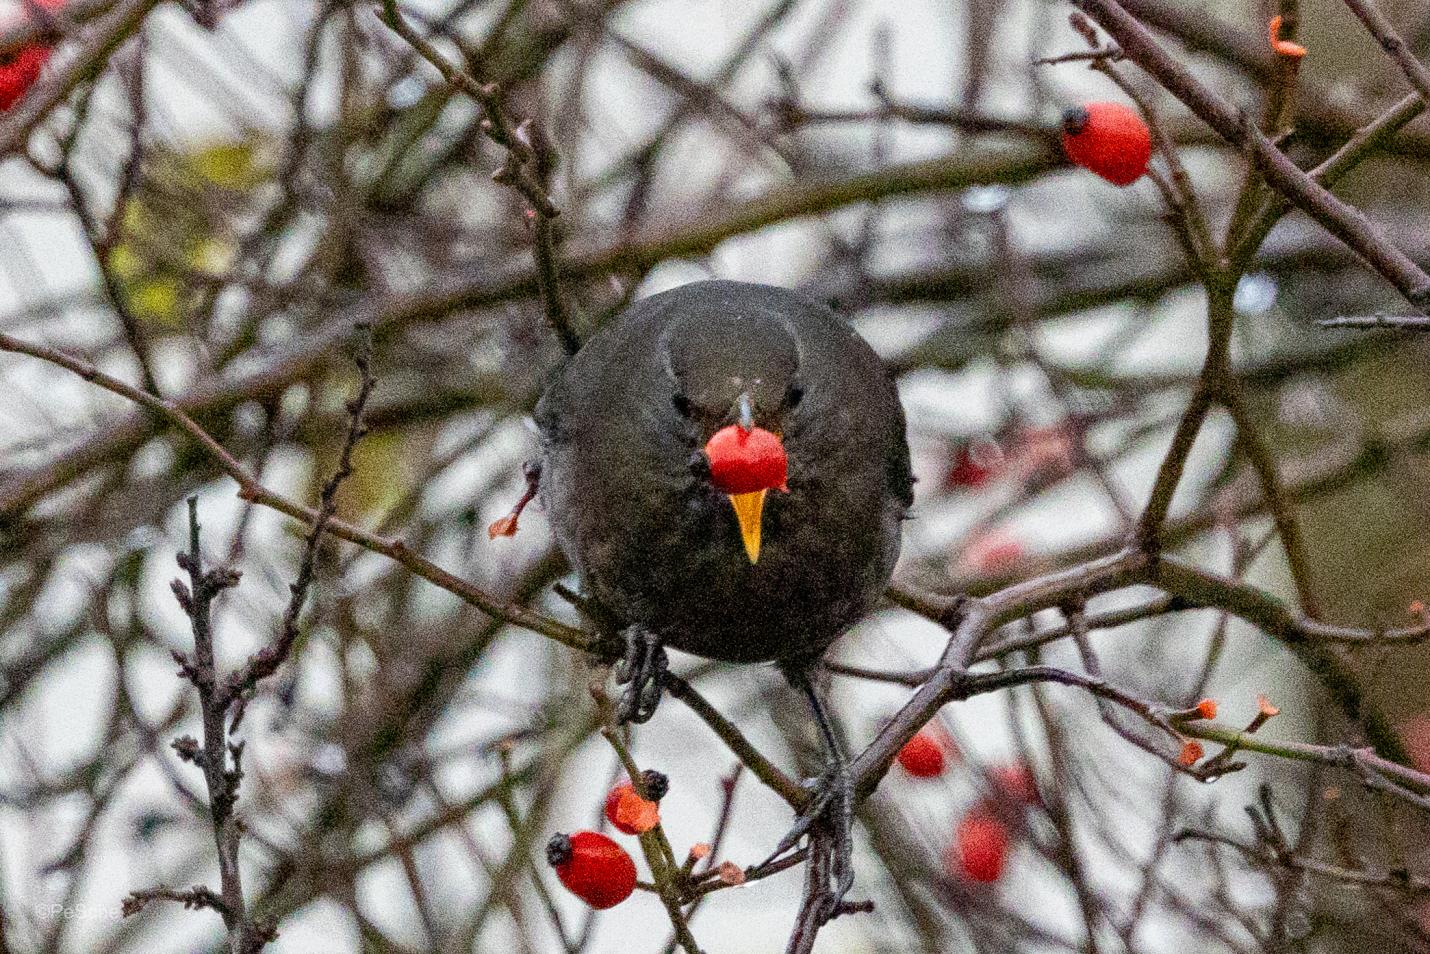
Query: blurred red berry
x=1109 y=139
x=924 y=755
x=1045 y=452
x=1015 y=780
x=995 y=551
x=592 y=867
x=980 y=847
x=1191 y=753
x=974 y=464
x=19 y=70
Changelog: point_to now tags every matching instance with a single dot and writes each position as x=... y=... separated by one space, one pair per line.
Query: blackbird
x=726 y=468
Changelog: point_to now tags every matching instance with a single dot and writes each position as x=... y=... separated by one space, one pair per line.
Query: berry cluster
x=981 y=839
x=593 y=866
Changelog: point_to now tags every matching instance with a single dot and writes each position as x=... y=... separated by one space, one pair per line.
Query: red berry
x=993 y=551
x=1206 y=709
x=1109 y=139
x=980 y=847
x=923 y=755
x=592 y=867
x=1016 y=781
x=742 y=462
x=19 y=70
x=974 y=464
x=630 y=813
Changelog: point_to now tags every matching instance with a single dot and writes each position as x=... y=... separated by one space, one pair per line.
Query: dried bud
x=1283 y=47
x=502 y=527
x=558 y=849
x=731 y=873
x=656 y=784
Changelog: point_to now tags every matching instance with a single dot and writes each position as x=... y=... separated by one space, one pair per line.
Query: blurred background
x=205 y=207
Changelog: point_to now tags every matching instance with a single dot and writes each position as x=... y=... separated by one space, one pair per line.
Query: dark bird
x=725 y=466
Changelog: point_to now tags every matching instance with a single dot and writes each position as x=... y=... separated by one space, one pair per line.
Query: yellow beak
x=748 y=508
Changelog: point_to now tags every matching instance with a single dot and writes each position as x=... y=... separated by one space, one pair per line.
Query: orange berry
x=923 y=756
x=592 y=867
x=1191 y=753
x=1206 y=709
x=980 y=847
x=632 y=814
x=1109 y=139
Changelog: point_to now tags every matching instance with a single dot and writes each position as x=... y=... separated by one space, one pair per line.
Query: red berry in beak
x=1109 y=139
x=745 y=462
x=980 y=847
x=592 y=867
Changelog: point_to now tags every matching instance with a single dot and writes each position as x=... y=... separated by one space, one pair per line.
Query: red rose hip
x=923 y=756
x=1109 y=139
x=592 y=867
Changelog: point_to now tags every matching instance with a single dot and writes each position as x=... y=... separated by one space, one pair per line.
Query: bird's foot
x=828 y=820
x=642 y=672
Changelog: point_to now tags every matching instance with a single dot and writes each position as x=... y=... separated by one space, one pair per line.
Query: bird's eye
x=682 y=404
x=796 y=394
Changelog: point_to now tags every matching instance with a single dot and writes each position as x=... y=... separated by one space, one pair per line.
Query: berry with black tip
x=629 y=812
x=1109 y=139
x=592 y=867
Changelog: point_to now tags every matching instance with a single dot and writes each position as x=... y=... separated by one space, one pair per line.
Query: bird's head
x=736 y=381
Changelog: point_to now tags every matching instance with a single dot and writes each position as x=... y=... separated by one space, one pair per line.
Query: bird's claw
x=642 y=672
x=828 y=820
